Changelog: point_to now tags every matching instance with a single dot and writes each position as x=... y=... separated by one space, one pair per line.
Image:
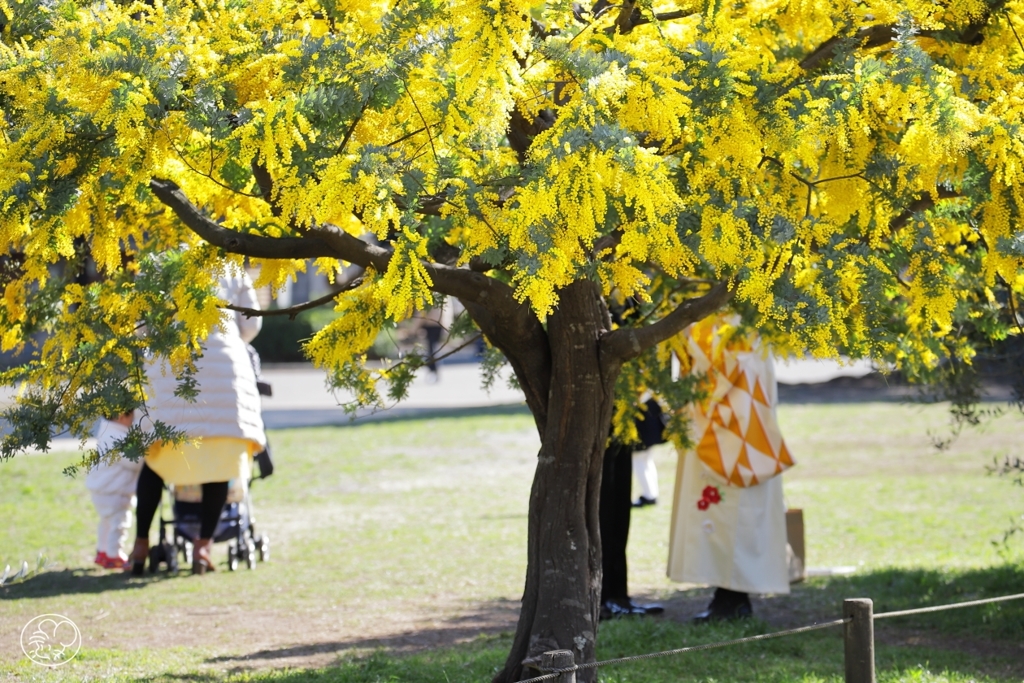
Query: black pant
x=615 y=507
x=151 y=487
x=433 y=333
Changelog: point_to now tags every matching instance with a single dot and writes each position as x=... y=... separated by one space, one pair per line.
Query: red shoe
x=115 y=563
x=108 y=562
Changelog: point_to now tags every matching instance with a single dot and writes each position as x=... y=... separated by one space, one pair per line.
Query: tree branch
x=522 y=130
x=293 y=311
x=629 y=16
x=875 y=36
x=353 y=249
x=426 y=205
x=509 y=324
x=332 y=242
x=663 y=16
x=924 y=203
x=518 y=334
x=266 y=185
x=626 y=343
x=352 y=127
x=881 y=34
x=609 y=241
x=256 y=246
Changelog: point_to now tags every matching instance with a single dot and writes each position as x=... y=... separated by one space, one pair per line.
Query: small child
x=113 y=494
x=651 y=429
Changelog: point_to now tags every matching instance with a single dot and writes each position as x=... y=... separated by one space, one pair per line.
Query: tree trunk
x=561 y=599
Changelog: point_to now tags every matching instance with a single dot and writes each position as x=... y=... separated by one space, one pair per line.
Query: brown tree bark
x=562 y=595
x=561 y=598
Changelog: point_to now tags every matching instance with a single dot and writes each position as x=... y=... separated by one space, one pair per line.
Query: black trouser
x=151 y=487
x=615 y=507
x=729 y=599
x=433 y=333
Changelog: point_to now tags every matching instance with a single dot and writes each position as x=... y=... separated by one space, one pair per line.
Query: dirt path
x=241 y=638
x=412 y=632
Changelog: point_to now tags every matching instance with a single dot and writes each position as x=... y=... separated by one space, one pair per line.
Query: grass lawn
x=398 y=554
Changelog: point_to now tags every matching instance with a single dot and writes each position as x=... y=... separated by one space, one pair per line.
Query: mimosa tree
x=847 y=173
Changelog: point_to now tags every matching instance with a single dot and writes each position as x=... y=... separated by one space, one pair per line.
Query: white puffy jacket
x=228 y=404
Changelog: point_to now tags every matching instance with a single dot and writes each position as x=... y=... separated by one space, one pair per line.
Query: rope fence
x=858 y=620
x=682 y=650
x=942 y=608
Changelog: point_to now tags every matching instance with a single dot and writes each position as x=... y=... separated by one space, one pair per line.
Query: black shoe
x=614 y=609
x=726 y=606
x=644 y=502
x=645 y=609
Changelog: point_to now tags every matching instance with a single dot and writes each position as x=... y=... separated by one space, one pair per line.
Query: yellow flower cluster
x=406 y=286
x=354 y=331
x=848 y=190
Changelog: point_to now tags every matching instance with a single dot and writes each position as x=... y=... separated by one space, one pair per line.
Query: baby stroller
x=236 y=527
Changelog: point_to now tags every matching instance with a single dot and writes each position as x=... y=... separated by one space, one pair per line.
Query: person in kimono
x=729 y=517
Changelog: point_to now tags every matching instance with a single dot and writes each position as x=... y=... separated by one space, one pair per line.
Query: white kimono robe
x=729 y=518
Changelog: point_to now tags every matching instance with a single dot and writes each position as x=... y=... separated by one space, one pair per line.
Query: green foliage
x=491 y=365
x=110 y=328
x=281 y=338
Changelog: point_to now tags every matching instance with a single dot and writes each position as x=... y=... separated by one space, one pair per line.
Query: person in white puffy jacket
x=224 y=424
x=112 y=487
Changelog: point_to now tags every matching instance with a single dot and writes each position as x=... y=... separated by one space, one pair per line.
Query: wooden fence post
x=559 y=659
x=859 y=637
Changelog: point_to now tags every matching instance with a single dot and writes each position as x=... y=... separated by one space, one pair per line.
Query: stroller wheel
x=232 y=558
x=156 y=554
x=170 y=558
x=250 y=554
x=264 y=548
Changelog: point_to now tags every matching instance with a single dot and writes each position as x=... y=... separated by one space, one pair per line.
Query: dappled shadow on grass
x=900 y=589
x=49 y=584
x=814 y=656
x=977 y=643
x=192 y=677
x=993 y=631
x=474 y=662
x=897 y=588
x=491 y=618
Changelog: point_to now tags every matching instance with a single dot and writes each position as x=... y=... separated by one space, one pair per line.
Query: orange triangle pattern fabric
x=758 y=394
x=735 y=429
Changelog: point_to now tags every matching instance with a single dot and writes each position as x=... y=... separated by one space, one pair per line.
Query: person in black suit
x=614 y=513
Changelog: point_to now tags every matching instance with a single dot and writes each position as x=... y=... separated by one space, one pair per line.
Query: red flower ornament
x=709 y=496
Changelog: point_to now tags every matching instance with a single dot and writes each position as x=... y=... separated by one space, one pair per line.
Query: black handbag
x=651 y=427
x=266 y=465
